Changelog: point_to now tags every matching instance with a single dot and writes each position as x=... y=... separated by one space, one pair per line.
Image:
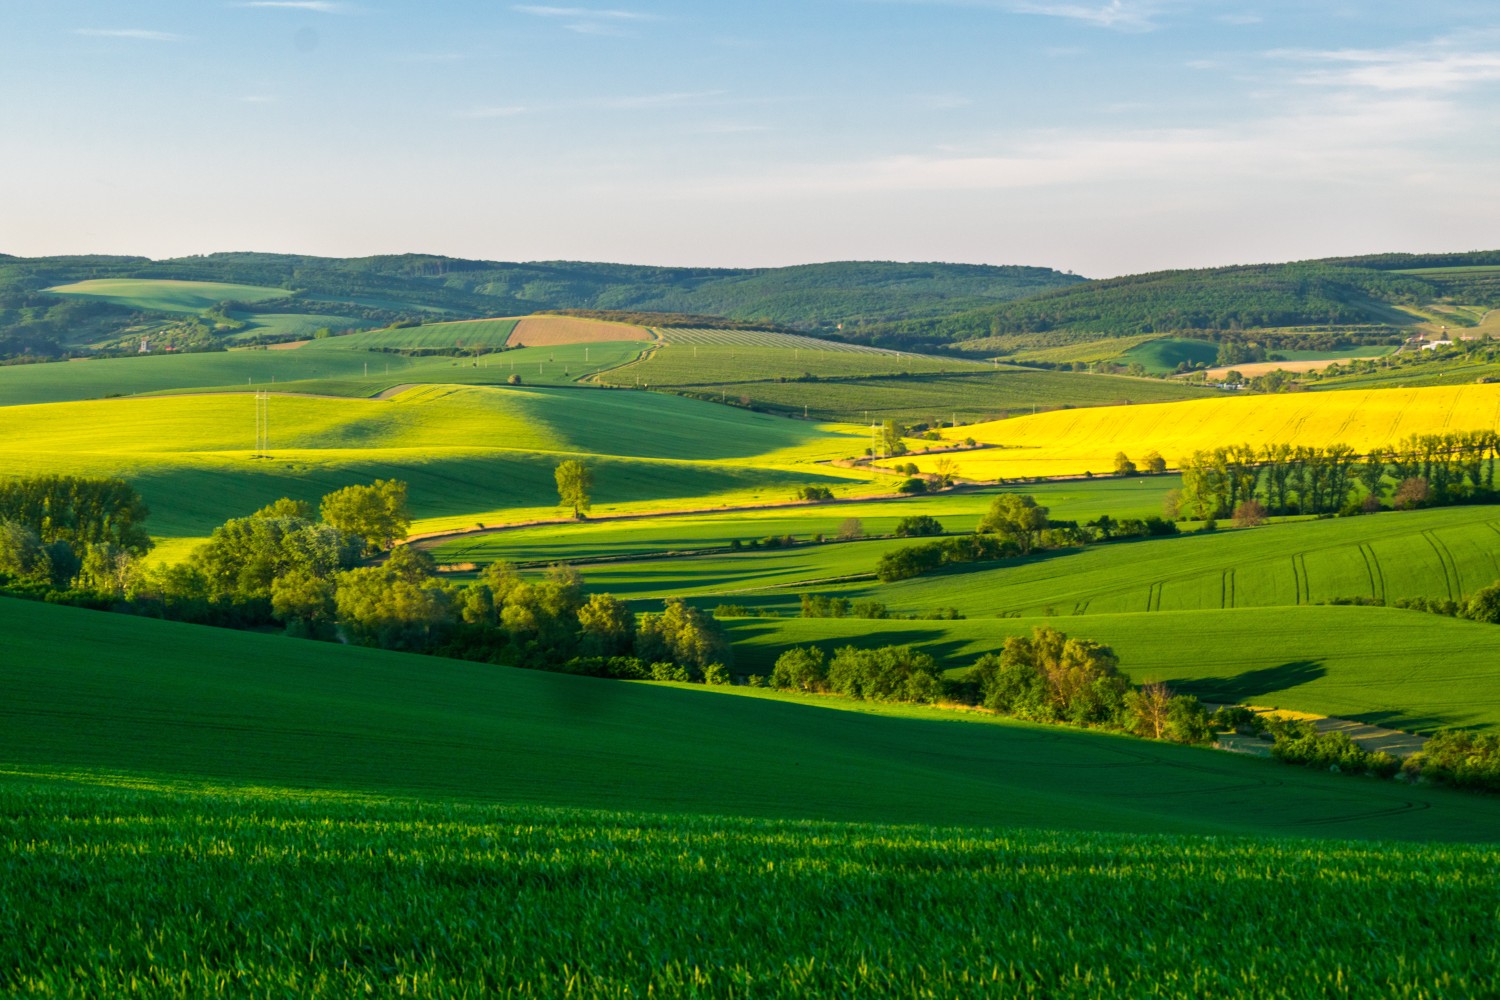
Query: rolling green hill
x=137 y=296
x=472 y=454
x=184 y=701
x=1345 y=300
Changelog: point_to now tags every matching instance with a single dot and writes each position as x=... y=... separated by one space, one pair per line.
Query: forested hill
x=1344 y=292
x=387 y=288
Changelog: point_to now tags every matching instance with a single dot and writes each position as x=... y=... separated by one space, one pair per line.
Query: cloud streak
x=134 y=34
x=1426 y=68
x=1120 y=15
x=588 y=20
x=318 y=6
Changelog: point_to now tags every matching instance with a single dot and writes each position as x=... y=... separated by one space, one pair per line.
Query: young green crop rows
x=766 y=338
x=289 y=893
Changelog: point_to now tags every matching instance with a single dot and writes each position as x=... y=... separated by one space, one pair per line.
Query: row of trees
x=339 y=574
x=1047 y=677
x=1014 y=525
x=1322 y=480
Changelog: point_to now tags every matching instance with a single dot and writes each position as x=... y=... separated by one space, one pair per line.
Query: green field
x=167 y=295
x=336 y=366
x=488 y=333
x=259 y=709
x=1165 y=354
x=1444 y=554
x=1401 y=669
x=678 y=364
x=292 y=326
x=272 y=892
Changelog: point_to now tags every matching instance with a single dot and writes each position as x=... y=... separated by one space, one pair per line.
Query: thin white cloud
x=1121 y=15
x=1426 y=68
x=136 y=34
x=589 y=20
x=1129 y=15
x=584 y=12
x=1241 y=20
x=320 y=6
x=1349 y=137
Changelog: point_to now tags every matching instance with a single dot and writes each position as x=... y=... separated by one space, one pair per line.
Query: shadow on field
x=1254 y=685
x=1411 y=722
x=753 y=658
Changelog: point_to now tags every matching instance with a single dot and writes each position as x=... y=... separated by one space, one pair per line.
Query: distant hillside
x=375 y=291
x=1359 y=292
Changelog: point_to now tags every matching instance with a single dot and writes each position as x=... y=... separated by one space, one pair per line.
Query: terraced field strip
x=1086 y=440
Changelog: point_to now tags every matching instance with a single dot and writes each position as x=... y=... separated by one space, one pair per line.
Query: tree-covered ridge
x=1221 y=299
x=412 y=286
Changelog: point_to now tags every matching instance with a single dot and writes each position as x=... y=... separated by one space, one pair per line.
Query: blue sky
x=1100 y=136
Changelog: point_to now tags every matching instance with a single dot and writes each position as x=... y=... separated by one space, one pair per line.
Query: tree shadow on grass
x=1255 y=685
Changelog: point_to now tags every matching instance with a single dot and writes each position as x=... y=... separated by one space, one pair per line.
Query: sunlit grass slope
x=1086 y=440
x=88 y=690
x=471 y=454
x=1402 y=669
x=157 y=888
x=168 y=295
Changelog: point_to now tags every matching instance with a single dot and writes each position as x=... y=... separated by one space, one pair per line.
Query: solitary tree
x=1123 y=465
x=574 y=480
x=1017 y=517
x=1155 y=464
x=890 y=438
x=375 y=514
x=851 y=529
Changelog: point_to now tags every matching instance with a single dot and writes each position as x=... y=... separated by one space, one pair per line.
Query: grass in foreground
x=122 y=887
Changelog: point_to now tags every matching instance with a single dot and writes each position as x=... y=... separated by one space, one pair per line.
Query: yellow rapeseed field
x=1070 y=442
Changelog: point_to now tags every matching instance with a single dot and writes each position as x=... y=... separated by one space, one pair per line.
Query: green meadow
x=488 y=333
x=165 y=295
